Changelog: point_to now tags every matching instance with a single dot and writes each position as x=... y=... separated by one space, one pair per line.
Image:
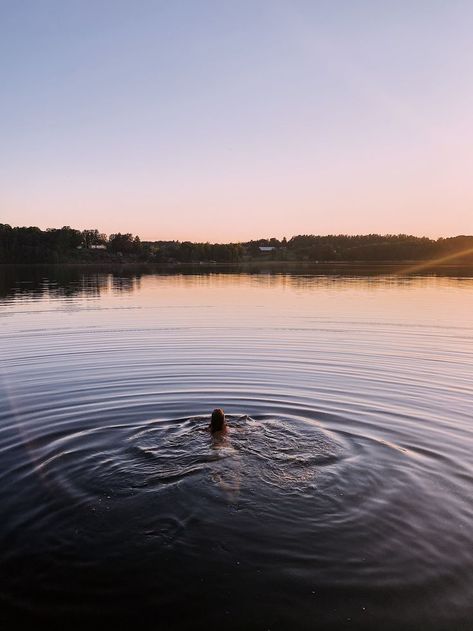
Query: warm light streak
x=434 y=262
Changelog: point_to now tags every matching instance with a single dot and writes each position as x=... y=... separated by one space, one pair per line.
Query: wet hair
x=217 y=422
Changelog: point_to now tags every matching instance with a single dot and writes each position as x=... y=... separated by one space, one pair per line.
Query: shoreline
x=421 y=264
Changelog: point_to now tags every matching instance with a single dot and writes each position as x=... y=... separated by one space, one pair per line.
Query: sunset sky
x=230 y=120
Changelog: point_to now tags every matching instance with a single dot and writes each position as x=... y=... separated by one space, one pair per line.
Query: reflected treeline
x=90 y=281
x=67 y=281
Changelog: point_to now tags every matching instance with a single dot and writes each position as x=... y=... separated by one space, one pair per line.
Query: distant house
x=266 y=248
x=99 y=246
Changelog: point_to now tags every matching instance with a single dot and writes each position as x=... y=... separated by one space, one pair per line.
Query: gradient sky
x=229 y=120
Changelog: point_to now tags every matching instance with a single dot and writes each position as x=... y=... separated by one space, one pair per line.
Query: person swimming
x=217 y=421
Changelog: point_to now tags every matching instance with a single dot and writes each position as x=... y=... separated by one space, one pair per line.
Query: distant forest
x=67 y=245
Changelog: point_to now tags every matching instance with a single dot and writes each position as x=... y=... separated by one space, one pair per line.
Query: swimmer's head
x=217 y=422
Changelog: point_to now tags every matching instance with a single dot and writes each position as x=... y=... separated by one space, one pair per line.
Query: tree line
x=66 y=244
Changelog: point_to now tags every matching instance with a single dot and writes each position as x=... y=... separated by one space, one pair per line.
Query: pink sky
x=218 y=122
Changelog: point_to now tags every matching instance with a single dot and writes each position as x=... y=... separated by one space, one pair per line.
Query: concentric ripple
x=340 y=495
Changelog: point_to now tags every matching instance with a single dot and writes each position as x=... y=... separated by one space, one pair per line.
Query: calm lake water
x=341 y=497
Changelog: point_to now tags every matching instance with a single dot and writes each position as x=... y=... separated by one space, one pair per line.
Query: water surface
x=341 y=496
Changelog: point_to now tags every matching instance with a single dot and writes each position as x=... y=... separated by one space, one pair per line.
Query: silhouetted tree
x=93 y=237
x=123 y=243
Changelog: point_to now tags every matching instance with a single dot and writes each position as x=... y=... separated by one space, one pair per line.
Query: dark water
x=341 y=497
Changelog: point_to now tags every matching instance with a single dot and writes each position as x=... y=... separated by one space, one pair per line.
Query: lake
x=340 y=498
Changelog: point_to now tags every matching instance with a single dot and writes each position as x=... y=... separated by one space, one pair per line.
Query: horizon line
x=267 y=238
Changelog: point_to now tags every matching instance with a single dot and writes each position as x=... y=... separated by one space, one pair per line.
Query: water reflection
x=36 y=282
x=64 y=281
x=342 y=490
